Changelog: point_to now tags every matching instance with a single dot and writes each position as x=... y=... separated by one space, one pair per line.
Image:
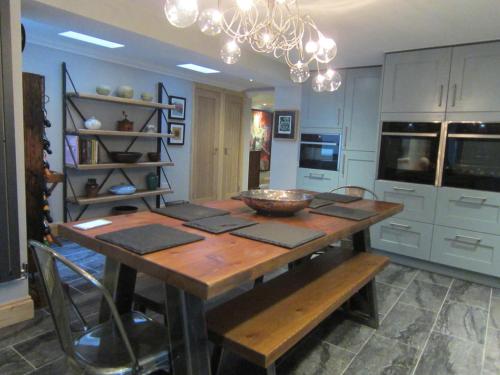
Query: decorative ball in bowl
x=276 y=202
x=125 y=157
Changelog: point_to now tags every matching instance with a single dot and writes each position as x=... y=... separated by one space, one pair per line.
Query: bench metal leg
x=217 y=360
x=271 y=370
x=258 y=281
x=363 y=306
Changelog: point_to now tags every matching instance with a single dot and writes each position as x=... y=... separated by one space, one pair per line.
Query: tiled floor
x=430 y=325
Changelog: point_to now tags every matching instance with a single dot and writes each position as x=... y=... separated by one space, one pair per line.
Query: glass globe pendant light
x=319 y=83
x=210 y=22
x=230 y=52
x=299 y=73
x=333 y=80
x=327 y=50
x=181 y=13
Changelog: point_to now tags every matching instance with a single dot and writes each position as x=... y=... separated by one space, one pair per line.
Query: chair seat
x=101 y=350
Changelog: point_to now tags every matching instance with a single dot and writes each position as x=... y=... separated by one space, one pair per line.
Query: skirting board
x=457 y=273
x=16 y=311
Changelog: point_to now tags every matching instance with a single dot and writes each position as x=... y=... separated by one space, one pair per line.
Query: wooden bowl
x=125 y=157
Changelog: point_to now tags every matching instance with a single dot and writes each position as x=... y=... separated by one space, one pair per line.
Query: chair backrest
x=46 y=261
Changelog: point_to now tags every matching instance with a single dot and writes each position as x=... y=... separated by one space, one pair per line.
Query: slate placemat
x=189 y=211
x=220 y=224
x=340 y=198
x=279 y=234
x=344 y=212
x=317 y=203
x=149 y=238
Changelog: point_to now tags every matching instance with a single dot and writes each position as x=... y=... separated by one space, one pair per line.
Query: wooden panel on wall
x=254 y=170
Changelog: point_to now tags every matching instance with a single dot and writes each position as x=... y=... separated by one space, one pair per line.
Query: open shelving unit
x=70 y=107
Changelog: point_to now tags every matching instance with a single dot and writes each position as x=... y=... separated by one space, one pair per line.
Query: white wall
x=87 y=73
x=284 y=157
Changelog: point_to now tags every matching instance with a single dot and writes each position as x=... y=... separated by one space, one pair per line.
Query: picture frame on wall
x=178 y=130
x=285 y=124
x=179 y=113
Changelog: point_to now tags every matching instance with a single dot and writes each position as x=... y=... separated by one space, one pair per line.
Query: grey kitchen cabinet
x=357 y=168
x=361 y=113
x=416 y=81
x=475 y=78
x=473 y=251
x=322 y=110
x=317 y=180
x=403 y=237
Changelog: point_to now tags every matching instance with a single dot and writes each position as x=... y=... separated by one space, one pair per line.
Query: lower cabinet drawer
x=404 y=237
x=468 y=250
x=317 y=180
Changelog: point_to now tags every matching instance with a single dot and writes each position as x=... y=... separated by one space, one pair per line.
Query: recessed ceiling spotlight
x=91 y=39
x=198 y=68
x=251 y=79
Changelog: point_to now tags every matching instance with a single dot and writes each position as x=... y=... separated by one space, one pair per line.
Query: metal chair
x=131 y=344
x=355 y=191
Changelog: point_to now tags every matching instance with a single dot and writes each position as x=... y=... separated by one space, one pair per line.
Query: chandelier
x=273 y=27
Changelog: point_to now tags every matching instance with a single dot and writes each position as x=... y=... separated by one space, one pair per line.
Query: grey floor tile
x=315 y=357
x=41 y=323
x=384 y=356
x=462 y=321
x=397 y=275
x=492 y=353
x=495 y=313
x=446 y=355
x=41 y=350
x=424 y=295
x=12 y=363
x=344 y=333
x=407 y=324
x=434 y=278
x=387 y=297
x=470 y=293
x=58 y=367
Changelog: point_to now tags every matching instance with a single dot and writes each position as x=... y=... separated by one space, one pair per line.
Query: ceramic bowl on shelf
x=276 y=202
x=154 y=156
x=124 y=210
x=125 y=91
x=147 y=97
x=123 y=189
x=125 y=157
x=103 y=90
x=92 y=123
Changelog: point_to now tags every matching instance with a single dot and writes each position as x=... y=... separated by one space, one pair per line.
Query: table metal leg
x=188 y=339
x=119 y=279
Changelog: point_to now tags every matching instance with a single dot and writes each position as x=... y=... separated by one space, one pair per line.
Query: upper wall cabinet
x=323 y=110
x=361 y=109
x=475 y=78
x=416 y=81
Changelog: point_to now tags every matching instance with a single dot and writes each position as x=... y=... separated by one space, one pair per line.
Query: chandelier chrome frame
x=274 y=27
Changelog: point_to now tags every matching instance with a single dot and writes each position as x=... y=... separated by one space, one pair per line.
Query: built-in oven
x=472 y=157
x=320 y=151
x=409 y=152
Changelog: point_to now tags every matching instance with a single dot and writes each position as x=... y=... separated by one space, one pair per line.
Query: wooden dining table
x=199 y=271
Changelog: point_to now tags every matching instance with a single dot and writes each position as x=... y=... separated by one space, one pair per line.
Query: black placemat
x=317 y=203
x=149 y=238
x=279 y=234
x=189 y=211
x=340 y=198
x=344 y=212
x=220 y=224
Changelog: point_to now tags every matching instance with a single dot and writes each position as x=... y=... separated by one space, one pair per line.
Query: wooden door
x=205 y=149
x=475 y=78
x=416 y=81
x=361 y=109
x=231 y=146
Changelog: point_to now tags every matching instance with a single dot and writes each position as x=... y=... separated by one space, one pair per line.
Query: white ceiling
x=363 y=29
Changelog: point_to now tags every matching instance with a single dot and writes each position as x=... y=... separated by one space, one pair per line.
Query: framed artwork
x=179 y=113
x=178 y=131
x=285 y=124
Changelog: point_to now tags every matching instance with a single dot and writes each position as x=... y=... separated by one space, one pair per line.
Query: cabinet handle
x=441 y=89
x=317 y=176
x=343 y=166
x=467 y=197
x=400 y=225
x=454 y=101
x=403 y=189
x=346 y=132
x=226 y=151
x=338 y=116
x=475 y=239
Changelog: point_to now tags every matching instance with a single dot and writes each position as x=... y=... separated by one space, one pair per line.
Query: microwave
x=320 y=151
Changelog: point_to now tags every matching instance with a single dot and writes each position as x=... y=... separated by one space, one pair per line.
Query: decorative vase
x=93 y=124
x=125 y=91
x=152 y=181
x=91 y=188
x=125 y=125
x=147 y=97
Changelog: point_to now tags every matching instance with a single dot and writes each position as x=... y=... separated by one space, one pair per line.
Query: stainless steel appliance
x=409 y=152
x=320 y=151
x=472 y=157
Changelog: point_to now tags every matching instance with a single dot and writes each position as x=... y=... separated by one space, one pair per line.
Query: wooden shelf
x=106 y=198
x=54 y=178
x=117 y=100
x=90 y=167
x=116 y=133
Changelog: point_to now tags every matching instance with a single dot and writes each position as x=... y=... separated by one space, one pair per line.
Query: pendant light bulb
x=230 y=52
x=319 y=83
x=210 y=22
x=312 y=47
x=245 y=5
x=299 y=73
x=333 y=80
x=181 y=13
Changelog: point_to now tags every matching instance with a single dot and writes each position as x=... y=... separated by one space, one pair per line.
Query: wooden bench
x=264 y=323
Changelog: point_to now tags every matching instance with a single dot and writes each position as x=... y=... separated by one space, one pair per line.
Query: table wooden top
x=222 y=262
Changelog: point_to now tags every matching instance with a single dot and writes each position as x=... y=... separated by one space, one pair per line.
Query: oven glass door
x=319 y=156
x=409 y=152
x=472 y=159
